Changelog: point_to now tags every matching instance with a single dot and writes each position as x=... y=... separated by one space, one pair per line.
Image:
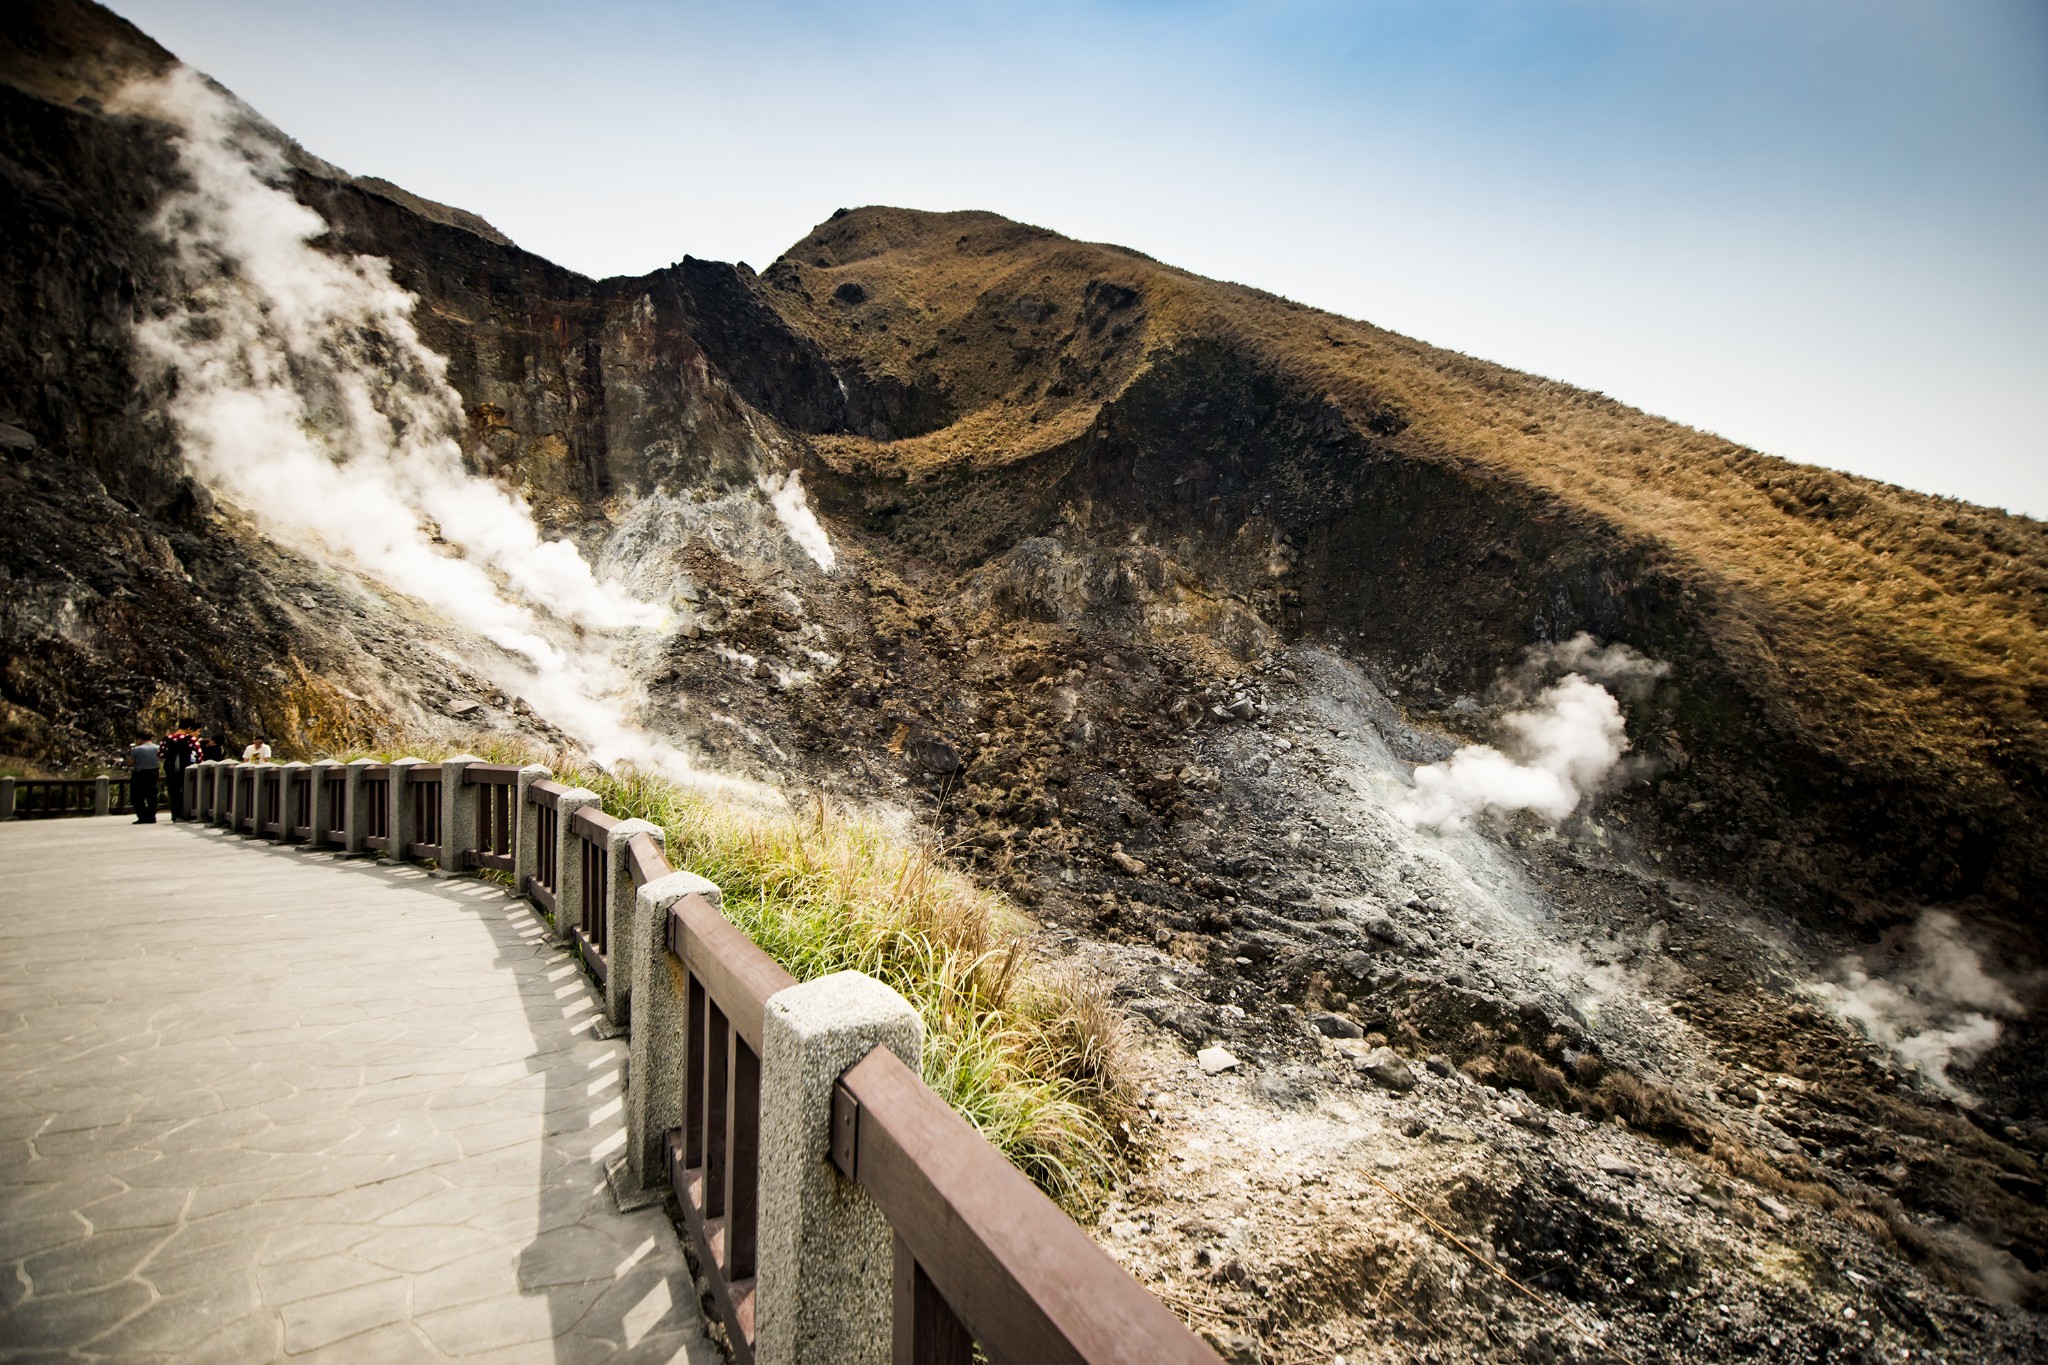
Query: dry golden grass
x=1901 y=633
x=1031 y=1055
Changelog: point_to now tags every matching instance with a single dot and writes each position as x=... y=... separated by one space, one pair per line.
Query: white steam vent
x=793 y=510
x=1558 y=750
x=1939 y=1009
x=303 y=393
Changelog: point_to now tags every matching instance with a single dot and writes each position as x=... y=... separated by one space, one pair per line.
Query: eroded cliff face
x=1148 y=596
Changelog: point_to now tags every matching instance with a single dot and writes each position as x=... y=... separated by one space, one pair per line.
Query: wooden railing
x=981 y=1256
x=335 y=781
x=592 y=829
x=714 y=1157
x=423 y=791
x=497 y=791
x=544 y=798
x=270 y=801
x=377 y=812
x=984 y=1265
x=298 y=825
x=44 y=798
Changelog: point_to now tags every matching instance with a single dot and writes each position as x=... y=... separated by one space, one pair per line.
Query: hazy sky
x=1817 y=228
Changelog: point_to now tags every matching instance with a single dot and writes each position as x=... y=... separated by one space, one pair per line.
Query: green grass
x=1030 y=1055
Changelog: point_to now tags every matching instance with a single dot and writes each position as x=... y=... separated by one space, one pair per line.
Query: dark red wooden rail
x=376 y=798
x=299 y=805
x=423 y=790
x=337 y=805
x=985 y=1265
x=540 y=885
x=982 y=1256
x=249 y=785
x=714 y=1159
x=270 y=801
x=497 y=788
x=592 y=829
x=37 y=797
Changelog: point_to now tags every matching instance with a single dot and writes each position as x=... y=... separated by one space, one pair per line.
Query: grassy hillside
x=1897 y=638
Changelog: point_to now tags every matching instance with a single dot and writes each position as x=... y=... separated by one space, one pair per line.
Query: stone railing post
x=826 y=1253
x=355 y=808
x=202 y=804
x=323 y=802
x=569 y=861
x=103 y=797
x=190 y=777
x=525 y=828
x=621 y=918
x=657 y=1049
x=458 y=814
x=402 y=831
x=289 y=776
x=6 y=798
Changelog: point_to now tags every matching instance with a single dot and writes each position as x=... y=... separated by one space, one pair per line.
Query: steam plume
x=1558 y=750
x=1940 y=1010
x=303 y=393
x=786 y=496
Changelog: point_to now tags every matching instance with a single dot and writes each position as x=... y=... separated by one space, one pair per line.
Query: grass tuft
x=1032 y=1056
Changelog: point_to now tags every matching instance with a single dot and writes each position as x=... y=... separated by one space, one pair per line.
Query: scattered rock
x=1215 y=1059
x=1129 y=866
x=1244 y=708
x=1335 y=1026
x=1384 y=1066
x=933 y=754
x=1439 y=1065
x=1615 y=1166
x=1239 y=1348
x=463 y=706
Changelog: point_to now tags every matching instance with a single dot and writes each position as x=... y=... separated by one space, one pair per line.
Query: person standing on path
x=180 y=750
x=143 y=760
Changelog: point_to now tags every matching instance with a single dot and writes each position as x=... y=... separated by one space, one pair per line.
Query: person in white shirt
x=259 y=752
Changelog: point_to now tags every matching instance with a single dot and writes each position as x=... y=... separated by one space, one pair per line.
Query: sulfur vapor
x=1555 y=752
x=302 y=392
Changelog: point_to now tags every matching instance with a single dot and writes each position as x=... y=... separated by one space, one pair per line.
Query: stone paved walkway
x=258 y=1105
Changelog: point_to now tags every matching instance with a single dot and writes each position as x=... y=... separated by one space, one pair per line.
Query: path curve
x=258 y=1104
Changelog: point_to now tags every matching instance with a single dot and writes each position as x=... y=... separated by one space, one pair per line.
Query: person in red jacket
x=180 y=750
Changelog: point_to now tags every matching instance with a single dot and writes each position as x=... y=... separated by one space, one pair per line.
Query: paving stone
x=371 y=1134
x=316 y=1322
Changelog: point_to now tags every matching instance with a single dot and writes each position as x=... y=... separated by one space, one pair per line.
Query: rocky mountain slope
x=1150 y=595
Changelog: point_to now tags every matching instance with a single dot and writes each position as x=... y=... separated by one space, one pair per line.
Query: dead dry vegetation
x=1032 y=1055
x=1901 y=636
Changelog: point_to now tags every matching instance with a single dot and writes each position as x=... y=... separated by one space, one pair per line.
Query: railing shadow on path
x=600 y=1272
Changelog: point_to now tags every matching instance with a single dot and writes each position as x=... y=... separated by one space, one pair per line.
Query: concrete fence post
x=190 y=777
x=526 y=828
x=209 y=791
x=6 y=798
x=103 y=797
x=657 y=1049
x=569 y=862
x=827 y=1260
x=355 y=808
x=458 y=814
x=621 y=919
x=289 y=776
x=324 y=812
x=403 y=832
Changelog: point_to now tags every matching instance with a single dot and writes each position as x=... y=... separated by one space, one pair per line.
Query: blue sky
x=1816 y=228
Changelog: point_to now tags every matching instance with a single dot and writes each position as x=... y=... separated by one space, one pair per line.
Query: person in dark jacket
x=143 y=762
x=180 y=750
x=215 y=749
